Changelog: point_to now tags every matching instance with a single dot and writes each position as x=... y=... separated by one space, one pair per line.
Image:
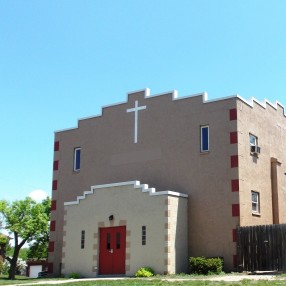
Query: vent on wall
x=255 y=150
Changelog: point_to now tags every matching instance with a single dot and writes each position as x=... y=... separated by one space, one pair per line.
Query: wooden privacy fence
x=261 y=247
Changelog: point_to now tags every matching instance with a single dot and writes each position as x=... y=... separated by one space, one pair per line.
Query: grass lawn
x=158 y=281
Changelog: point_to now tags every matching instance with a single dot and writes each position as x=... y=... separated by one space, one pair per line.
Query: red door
x=112 y=248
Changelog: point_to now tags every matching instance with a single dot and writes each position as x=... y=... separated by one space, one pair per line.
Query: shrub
x=202 y=265
x=145 y=272
x=74 y=275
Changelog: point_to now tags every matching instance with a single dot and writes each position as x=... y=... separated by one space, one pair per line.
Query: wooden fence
x=261 y=247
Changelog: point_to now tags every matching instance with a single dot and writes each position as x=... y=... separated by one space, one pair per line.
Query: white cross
x=135 y=110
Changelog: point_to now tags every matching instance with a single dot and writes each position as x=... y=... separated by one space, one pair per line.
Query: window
x=143 y=235
x=255 y=202
x=76 y=160
x=82 y=239
x=252 y=140
x=204 y=138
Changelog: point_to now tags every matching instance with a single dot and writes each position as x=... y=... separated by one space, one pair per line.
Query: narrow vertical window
x=204 y=138
x=82 y=240
x=108 y=241
x=76 y=161
x=143 y=235
x=255 y=202
x=117 y=240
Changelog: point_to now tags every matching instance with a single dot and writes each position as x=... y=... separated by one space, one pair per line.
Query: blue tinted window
x=77 y=159
x=204 y=138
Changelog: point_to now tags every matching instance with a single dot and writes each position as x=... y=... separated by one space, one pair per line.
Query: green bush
x=202 y=265
x=145 y=272
x=74 y=275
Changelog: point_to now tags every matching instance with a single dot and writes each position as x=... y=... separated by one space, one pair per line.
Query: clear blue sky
x=64 y=60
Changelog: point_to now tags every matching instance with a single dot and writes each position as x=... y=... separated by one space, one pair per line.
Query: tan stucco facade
x=163 y=214
x=164 y=152
x=265 y=172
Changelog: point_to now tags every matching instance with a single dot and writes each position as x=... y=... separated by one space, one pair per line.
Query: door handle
x=111 y=250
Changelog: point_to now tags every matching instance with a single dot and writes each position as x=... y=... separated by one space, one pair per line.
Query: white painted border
x=136 y=184
x=176 y=97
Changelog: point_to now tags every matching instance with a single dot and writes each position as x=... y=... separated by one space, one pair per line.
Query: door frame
x=102 y=250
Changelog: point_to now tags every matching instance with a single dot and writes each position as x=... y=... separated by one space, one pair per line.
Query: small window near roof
x=204 y=139
x=255 y=202
x=252 y=140
x=76 y=161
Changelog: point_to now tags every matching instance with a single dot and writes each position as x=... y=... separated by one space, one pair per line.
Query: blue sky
x=64 y=60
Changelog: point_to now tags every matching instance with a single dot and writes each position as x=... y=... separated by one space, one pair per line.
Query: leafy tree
x=26 y=220
x=39 y=248
x=4 y=244
x=23 y=253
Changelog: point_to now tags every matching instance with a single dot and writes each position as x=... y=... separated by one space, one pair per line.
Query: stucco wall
x=133 y=207
x=268 y=123
x=167 y=156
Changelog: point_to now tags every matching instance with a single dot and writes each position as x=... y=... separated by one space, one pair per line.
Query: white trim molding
x=175 y=97
x=136 y=184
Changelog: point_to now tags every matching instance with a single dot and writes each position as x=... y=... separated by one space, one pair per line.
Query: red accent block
x=234 y=259
x=55 y=185
x=234 y=185
x=51 y=246
x=53 y=205
x=53 y=225
x=233 y=137
x=57 y=146
x=235 y=210
x=50 y=267
x=234 y=235
x=56 y=165
x=234 y=161
x=233 y=114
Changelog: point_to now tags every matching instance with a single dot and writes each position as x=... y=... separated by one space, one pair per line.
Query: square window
x=255 y=202
x=76 y=161
x=204 y=139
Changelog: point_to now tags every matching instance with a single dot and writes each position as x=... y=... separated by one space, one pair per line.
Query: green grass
x=157 y=281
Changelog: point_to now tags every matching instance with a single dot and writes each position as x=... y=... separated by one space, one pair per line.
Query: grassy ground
x=192 y=281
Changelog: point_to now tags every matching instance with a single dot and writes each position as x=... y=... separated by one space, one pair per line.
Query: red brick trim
x=235 y=185
x=53 y=225
x=57 y=146
x=53 y=205
x=235 y=209
x=55 y=185
x=234 y=235
x=234 y=161
x=233 y=137
x=233 y=114
x=234 y=259
x=50 y=267
x=51 y=246
x=56 y=165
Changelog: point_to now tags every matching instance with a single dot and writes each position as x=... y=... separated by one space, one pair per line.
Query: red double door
x=112 y=249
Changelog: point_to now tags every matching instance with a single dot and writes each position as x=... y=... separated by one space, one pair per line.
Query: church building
x=157 y=179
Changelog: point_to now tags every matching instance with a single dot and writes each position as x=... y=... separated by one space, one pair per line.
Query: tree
x=27 y=220
x=4 y=245
x=39 y=248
